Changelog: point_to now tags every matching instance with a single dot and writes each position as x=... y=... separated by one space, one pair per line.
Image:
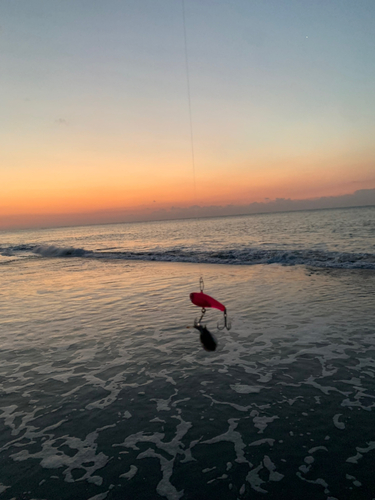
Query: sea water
x=106 y=394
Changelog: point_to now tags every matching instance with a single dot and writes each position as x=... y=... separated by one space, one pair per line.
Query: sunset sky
x=94 y=105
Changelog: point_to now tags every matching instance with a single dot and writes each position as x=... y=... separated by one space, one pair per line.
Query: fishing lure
x=205 y=301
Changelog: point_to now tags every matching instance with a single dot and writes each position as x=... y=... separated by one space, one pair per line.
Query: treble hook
x=227 y=323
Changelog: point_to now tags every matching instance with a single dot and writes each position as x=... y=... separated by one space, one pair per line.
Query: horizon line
x=187 y=218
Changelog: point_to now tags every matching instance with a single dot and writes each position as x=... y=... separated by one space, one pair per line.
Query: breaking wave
x=52 y=251
x=243 y=256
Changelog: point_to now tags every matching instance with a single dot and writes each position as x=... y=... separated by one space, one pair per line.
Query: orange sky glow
x=97 y=121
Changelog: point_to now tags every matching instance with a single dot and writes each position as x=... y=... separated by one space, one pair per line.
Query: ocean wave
x=243 y=256
x=53 y=251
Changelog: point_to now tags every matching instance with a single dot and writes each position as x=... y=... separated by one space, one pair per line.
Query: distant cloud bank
x=360 y=198
x=363 y=197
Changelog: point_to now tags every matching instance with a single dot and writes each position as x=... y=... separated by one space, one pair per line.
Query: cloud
x=363 y=197
x=61 y=121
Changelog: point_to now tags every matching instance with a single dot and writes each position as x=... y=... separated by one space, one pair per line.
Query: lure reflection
x=207 y=339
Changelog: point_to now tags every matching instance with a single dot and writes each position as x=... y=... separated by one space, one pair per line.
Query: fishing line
x=189 y=102
x=187 y=71
x=200 y=299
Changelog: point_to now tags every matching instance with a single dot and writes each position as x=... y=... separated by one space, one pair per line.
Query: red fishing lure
x=203 y=300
